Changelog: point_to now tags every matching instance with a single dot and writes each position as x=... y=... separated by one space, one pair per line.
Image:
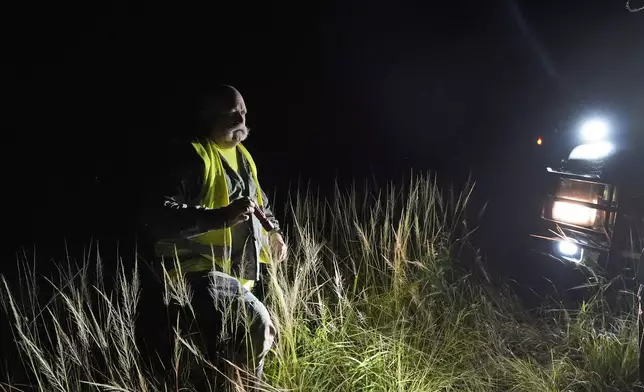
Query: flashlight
x=261 y=217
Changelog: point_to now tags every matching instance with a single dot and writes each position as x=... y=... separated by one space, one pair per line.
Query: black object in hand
x=266 y=224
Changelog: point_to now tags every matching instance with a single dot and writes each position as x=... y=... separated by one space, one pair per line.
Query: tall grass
x=381 y=292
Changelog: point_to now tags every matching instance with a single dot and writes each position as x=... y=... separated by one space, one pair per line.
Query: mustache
x=242 y=128
x=232 y=129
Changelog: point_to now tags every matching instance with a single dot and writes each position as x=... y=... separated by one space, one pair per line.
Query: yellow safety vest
x=214 y=246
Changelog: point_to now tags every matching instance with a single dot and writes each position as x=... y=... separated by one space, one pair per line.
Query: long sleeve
x=172 y=209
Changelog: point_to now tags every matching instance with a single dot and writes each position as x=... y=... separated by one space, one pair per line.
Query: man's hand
x=238 y=211
x=278 y=246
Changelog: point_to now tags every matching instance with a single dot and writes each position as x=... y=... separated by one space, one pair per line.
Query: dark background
x=346 y=90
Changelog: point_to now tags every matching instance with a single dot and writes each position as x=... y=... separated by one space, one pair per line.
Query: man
x=206 y=220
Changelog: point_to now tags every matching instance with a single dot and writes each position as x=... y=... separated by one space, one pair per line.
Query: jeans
x=229 y=323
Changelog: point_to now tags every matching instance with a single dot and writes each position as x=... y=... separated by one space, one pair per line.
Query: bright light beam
x=592 y=151
x=594 y=130
x=567 y=248
x=574 y=214
x=570 y=251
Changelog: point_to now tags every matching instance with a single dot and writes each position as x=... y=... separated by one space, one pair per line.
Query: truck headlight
x=574 y=213
x=567 y=248
x=570 y=251
x=566 y=208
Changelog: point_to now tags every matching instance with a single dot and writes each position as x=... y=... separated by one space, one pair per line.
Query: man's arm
x=172 y=209
x=277 y=242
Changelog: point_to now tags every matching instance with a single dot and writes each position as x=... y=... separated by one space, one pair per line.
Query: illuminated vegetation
x=381 y=292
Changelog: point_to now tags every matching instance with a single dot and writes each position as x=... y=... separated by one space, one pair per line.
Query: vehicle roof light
x=592 y=151
x=594 y=130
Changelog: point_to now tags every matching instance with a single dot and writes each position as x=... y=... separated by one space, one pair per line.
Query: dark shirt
x=173 y=209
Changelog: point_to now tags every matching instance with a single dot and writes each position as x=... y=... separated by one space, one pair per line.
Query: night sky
x=347 y=89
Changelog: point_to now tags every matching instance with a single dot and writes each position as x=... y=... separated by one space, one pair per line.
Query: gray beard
x=239 y=135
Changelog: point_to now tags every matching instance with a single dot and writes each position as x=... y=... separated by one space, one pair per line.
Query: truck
x=592 y=212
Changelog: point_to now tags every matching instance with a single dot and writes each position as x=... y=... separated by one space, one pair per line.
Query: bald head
x=223 y=116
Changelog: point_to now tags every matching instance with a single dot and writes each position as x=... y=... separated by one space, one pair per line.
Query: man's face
x=230 y=128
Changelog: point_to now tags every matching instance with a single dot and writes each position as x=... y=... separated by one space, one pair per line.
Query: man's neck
x=224 y=145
